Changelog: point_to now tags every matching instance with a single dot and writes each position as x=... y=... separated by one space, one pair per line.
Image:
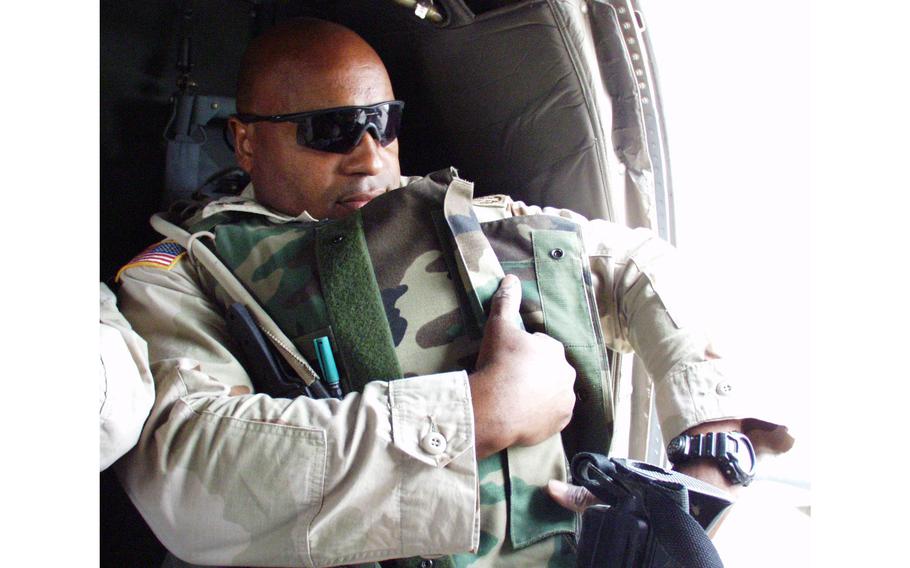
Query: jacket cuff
x=432 y=417
x=696 y=393
x=435 y=426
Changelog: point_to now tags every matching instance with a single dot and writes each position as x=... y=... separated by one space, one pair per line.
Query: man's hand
x=522 y=388
x=577 y=498
x=573 y=497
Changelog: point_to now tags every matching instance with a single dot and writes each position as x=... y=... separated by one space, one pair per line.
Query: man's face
x=292 y=178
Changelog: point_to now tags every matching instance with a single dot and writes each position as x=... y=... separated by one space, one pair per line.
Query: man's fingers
x=572 y=497
x=507 y=300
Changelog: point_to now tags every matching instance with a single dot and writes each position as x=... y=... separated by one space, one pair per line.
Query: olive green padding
x=276 y=263
x=568 y=318
x=351 y=294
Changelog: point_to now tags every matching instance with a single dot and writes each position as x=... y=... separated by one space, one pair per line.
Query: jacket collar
x=246 y=202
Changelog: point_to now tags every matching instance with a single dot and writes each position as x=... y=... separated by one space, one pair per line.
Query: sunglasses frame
x=299 y=117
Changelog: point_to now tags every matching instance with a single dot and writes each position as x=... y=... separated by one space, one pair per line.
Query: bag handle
x=478 y=265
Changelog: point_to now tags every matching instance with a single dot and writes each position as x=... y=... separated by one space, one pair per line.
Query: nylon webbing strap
x=211 y=221
x=478 y=266
x=354 y=304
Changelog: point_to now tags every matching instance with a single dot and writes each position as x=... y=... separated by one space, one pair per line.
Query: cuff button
x=724 y=388
x=433 y=443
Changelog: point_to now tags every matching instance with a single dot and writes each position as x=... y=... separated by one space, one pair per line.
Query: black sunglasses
x=339 y=130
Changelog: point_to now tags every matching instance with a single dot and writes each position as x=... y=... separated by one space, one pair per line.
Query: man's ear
x=243 y=146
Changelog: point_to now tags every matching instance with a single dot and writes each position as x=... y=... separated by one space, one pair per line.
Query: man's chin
x=352 y=202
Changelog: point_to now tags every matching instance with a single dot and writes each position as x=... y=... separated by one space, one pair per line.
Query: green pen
x=327 y=365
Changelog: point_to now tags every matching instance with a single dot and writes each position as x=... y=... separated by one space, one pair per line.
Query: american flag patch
x=161 y=255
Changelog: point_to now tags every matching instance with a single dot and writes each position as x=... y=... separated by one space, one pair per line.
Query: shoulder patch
x=164 y=255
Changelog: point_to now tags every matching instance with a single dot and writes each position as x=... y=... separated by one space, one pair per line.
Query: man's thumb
x=507 y=300
x=572 y=497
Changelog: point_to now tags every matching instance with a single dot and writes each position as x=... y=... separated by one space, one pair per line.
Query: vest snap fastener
x=557 y=253
x=337 y=239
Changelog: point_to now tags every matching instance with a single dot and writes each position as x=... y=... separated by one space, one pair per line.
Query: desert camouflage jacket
x=227 y=477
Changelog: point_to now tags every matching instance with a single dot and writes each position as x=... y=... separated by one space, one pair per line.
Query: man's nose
x=365 y=158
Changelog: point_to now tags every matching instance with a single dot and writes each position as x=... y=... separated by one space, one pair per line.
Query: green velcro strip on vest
x=568 y=317
x=354 y=303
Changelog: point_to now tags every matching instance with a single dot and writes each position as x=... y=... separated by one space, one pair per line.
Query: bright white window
x=735 y=90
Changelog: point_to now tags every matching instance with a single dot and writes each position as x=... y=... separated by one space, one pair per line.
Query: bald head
x=304 y=59
x=307 y=65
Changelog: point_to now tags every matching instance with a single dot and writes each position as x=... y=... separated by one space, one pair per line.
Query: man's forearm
x=231 y=478
x=251 y=480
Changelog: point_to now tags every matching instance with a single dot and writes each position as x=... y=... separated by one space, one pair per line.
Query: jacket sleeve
x=229 y=477
x=639 y=283
x=126 y=387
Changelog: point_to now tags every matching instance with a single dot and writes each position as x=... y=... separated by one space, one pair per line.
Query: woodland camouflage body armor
x=401 y=287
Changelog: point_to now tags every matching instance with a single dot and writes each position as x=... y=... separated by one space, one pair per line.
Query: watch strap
x=708 y=445
x=725 y=448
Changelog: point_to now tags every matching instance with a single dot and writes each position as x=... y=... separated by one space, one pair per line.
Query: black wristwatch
x=731 y=450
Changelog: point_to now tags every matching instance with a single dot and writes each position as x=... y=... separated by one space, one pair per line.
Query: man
x=227 y=477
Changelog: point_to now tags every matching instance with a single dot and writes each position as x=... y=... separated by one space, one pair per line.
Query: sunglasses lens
x=391 y=123
x=340 y=130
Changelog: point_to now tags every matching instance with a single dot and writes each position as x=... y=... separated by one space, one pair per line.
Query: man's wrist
x=708 y=471
x=715 y=452
x=730 y=425
x=488 y=433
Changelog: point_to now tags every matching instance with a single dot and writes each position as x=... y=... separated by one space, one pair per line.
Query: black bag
x=653 y=518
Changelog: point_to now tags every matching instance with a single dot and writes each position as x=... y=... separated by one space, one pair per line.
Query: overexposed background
x=788 y=129
x=735 y=90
